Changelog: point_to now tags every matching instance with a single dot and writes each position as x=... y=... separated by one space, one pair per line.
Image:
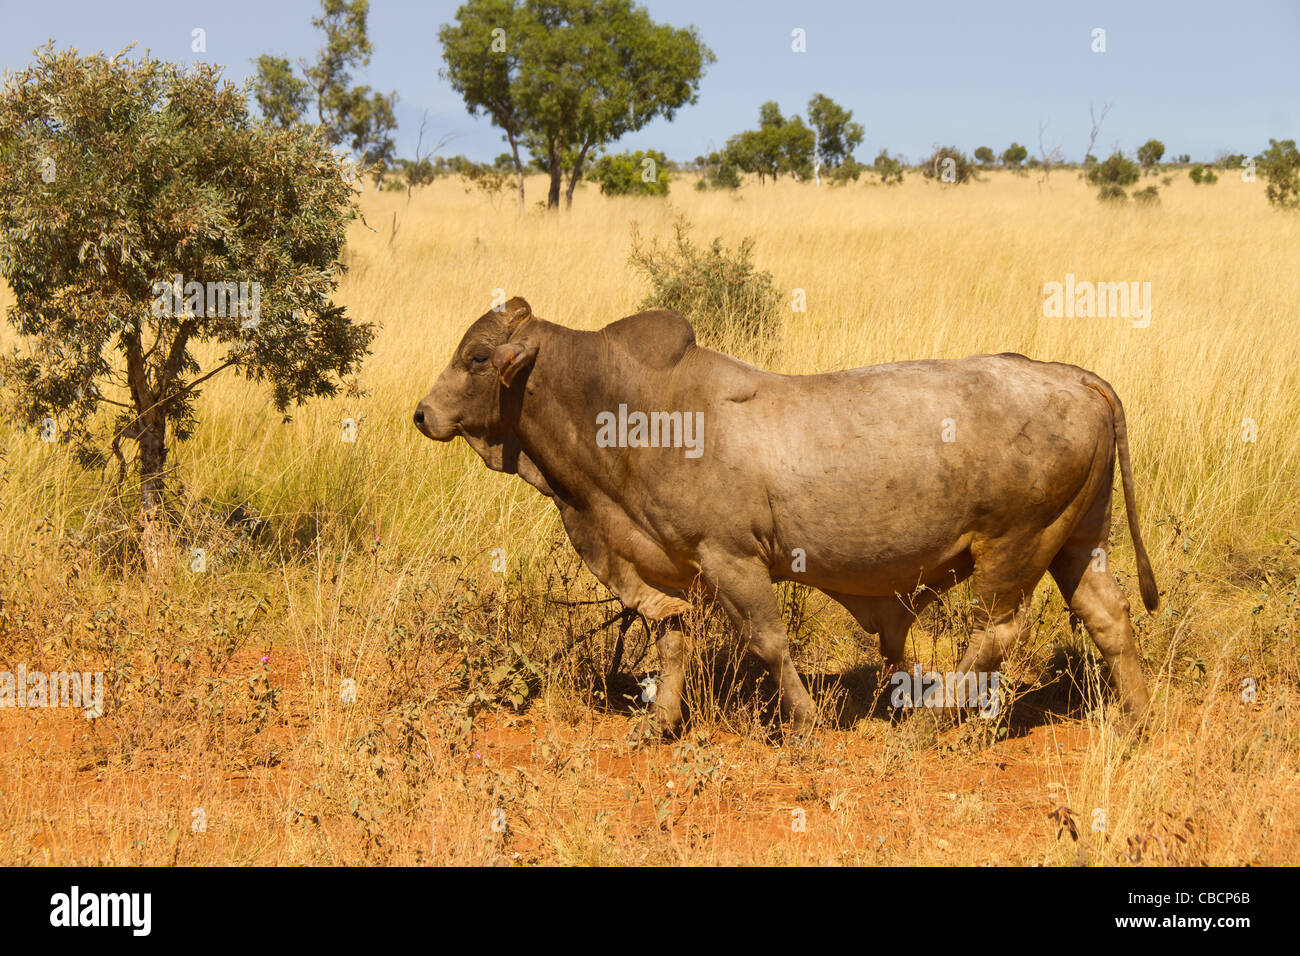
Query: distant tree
x=1049 y=157
x=643 y=173
x=1113 y=175
x=565 y=77
x=1149 y=154
x=282 y=97
x=779 y=145
x=352 y=116
x=1280 y=165
x=1014 y=155
x=836 y=135
x=154 y=235
x=985 y=156
x=889 y=168
x=1227 y=160
x=948 y=164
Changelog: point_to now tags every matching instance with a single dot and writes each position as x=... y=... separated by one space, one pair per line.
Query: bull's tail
x=1146 y=578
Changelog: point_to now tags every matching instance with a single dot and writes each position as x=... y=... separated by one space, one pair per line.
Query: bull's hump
x=657 y=338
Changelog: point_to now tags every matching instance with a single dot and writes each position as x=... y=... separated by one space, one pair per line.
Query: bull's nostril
x=419 y=416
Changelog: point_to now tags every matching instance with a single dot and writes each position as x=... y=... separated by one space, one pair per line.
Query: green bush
x=1203 y=175
x=643 y=173
x=948 y=164
x=889 y=168
x=846 y=172
x=1112 y=176
x=1148 y=197
x=1280 y=164
x=718 y=290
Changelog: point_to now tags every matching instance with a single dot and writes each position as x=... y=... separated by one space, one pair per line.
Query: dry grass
x=375 y=564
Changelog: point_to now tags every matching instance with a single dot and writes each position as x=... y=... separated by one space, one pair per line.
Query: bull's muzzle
x=427 y=422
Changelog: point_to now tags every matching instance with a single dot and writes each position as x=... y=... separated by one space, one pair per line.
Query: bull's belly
x=878 y=572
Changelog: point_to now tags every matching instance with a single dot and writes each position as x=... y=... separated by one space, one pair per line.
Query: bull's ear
x=516 y=311
x=511 y=358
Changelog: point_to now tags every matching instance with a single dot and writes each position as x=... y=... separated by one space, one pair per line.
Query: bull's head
x=472 y=396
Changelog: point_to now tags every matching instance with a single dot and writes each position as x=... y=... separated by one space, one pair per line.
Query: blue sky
x=1203 y=77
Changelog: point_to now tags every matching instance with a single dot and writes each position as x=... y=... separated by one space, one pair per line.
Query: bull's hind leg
x=1006 y=573
x=1004 y=624
x=745 y=592
x=1082 y=573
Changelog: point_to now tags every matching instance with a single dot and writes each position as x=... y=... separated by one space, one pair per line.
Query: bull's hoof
x=799 y=726
x=652 y=728
x=1136 y=721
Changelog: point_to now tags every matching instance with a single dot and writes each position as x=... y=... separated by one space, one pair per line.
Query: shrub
x=846 y=172
x=643 y=173
x=1203 y=175
x=719 y=291
x=1280 y=164
x=1148 y=197
x=1112 y=176
x=720 y=171
x=948 y=164
x=889 y=168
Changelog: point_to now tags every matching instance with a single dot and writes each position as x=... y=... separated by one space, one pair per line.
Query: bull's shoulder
x=657 y=338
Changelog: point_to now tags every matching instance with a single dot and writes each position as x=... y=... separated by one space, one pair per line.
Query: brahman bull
x=883 y=486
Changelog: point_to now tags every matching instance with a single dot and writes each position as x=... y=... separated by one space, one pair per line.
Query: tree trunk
x=153 y=461
x=557 y=178
x=575 y=174
x=519 y=169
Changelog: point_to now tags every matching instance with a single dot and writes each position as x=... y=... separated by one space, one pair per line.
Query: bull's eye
x=480 y=359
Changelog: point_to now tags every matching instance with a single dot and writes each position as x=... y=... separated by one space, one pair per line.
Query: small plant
x=718 y=290
x=495 y=675
x=1147 y=197
x=1202 y=175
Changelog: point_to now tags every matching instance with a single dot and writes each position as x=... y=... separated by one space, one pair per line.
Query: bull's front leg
x=667 y=707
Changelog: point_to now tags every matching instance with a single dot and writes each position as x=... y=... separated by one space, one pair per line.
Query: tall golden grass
x=372 y=543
